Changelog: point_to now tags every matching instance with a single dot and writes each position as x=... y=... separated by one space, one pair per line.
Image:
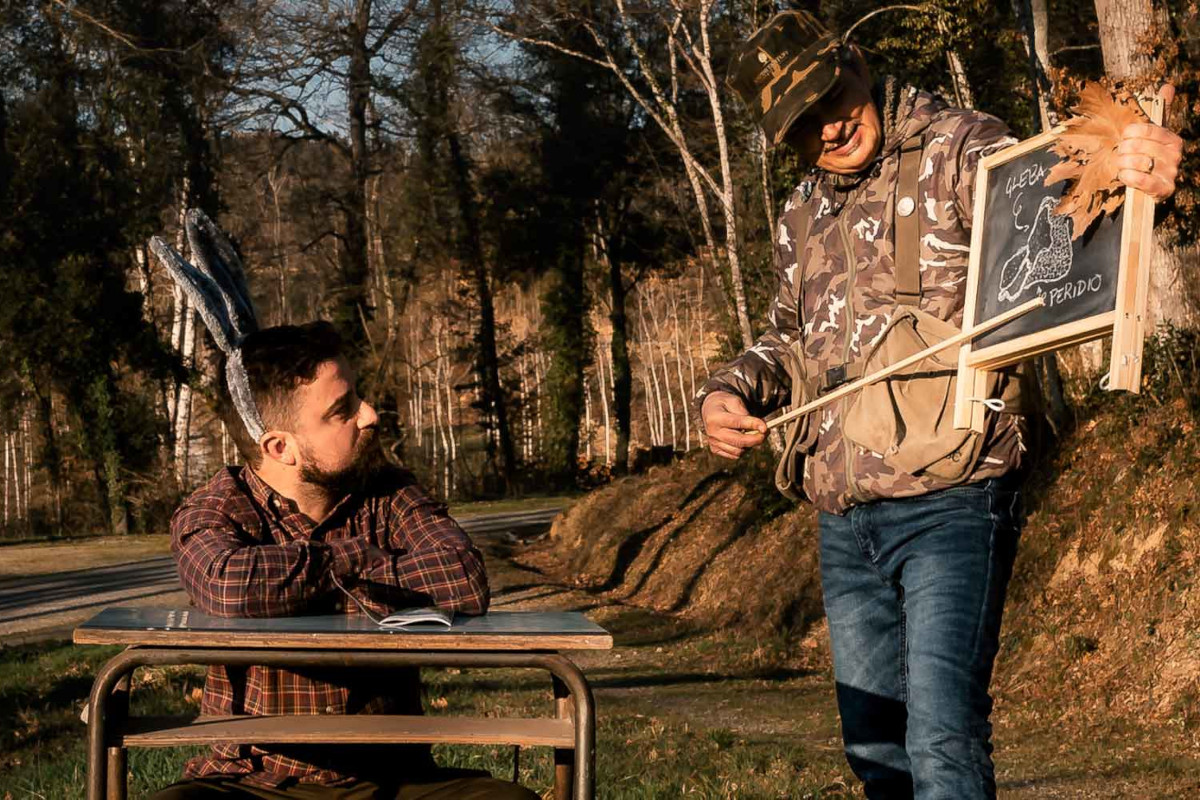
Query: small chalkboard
x=1092 y=286
x=1027 y=251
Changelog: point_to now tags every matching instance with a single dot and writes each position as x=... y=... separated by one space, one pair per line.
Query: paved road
x=49 y=604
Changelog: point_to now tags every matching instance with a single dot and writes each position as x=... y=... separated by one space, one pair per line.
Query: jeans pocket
x=977 y=497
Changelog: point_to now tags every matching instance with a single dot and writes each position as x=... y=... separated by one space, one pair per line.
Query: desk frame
x=108 y=703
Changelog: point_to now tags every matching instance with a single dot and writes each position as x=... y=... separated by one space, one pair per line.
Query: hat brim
x=783 y=115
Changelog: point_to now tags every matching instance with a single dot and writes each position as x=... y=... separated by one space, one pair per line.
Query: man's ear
x=278 y=446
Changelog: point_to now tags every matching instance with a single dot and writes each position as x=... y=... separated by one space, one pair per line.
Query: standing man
x=914 y=562
x=316 y=506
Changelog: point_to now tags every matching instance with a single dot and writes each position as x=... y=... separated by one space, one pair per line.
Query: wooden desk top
x=497 y=630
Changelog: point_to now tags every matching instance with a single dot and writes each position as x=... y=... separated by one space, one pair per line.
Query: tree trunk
x=26 y=463
x=1123 y=26
x=183 y=406
x=666 y=372
x=449 y=387
x=962 y=87
x=539 y=374
x=1032 y=17
x=691 y=317
x=440 y=416
x=732 y=244
x=353 y=307
x=8 y=446
x=602 y=388
x=178 y=310
x=620 y=374
x=687 y=413
x=700 y=321
x=963 y=97
x=523 y=389
x=51 y=454
x=647 y=359
x=587 y=420
x=489 y=361
x=703 y=57
x=276 y=183
x=764 y=178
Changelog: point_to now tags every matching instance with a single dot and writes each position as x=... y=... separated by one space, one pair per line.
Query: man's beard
x=368 y=462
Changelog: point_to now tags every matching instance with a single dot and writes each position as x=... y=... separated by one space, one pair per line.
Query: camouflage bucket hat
x=786 y=66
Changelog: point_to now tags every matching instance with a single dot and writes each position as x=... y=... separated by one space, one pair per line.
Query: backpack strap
x=908 y=228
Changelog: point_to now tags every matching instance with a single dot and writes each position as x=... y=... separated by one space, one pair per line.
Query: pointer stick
x=953 y=341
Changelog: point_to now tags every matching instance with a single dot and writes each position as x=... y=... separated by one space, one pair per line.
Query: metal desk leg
x=569 y=676
x=118 y=768
x=118 y=761
x=564 y=759
x=102 y=772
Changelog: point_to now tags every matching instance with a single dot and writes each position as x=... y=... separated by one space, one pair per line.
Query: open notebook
x=405 y=617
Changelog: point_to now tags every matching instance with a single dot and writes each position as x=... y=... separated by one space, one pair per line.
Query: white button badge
x=905 y=206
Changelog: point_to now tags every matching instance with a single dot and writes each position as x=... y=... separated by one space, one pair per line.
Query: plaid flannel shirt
x=243 y=550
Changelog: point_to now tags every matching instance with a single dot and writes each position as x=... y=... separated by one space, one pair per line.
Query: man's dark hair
x=278 y=361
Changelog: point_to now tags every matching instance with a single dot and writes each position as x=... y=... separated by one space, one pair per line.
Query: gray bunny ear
x=204 y=293
x=215 y=256
x=216 y=310
x=243 y=400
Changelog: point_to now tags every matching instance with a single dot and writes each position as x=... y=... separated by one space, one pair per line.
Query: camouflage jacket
x=837 y=292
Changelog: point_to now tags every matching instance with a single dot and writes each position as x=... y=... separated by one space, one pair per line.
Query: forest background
x=539 y=224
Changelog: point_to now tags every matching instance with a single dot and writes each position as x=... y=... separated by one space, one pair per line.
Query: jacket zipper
x=844 y=406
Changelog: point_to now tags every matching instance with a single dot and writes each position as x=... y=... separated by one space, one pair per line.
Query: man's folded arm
x=228 y=575
x=429 y=556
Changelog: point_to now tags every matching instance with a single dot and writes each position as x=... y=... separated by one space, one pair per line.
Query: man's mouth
x=847 y=147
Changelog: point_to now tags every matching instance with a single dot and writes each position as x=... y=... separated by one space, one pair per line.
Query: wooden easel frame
x=1126 y=322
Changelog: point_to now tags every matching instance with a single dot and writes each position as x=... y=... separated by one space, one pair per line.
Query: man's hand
x=1148 y=156
x=731 y=429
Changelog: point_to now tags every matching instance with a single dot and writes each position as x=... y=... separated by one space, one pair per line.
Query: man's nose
x=832 y=131
x=367 y=418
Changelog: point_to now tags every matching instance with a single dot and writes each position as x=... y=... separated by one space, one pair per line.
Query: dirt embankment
x=695 y=538
x=1102 y=615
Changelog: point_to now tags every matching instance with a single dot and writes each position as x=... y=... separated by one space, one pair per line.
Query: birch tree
x=620 y=41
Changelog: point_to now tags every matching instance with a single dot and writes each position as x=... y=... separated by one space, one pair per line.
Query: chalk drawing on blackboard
x=1046 y=256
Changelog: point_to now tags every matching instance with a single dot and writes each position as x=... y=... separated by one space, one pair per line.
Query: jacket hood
x=905 y=110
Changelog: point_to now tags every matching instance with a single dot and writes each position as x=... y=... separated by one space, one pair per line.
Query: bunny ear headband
x=216 y=287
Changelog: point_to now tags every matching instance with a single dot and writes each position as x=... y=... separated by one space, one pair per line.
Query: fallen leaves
x=1089 y=150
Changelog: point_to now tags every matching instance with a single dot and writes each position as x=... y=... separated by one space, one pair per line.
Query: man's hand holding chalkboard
x=1148 y=155
x=731 y=430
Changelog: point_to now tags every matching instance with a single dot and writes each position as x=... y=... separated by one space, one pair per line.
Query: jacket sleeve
x=759 y=375
x=978 y=136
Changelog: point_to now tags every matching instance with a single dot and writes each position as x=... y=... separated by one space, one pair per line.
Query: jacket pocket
x=908 y=418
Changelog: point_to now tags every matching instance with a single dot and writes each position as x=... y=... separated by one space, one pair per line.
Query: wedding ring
x=1150 y=169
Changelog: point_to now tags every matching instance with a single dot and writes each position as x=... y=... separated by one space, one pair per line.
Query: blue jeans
x=914 y=590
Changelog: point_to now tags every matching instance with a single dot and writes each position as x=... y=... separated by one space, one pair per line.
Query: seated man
x=318 y=501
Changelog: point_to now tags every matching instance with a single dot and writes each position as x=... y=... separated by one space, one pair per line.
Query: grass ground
x=683 y=712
